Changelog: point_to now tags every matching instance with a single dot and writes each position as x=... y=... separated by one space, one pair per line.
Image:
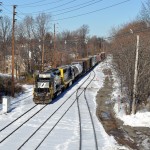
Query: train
x=50 y=83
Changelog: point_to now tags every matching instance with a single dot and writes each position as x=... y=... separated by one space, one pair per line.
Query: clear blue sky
x=103 y=15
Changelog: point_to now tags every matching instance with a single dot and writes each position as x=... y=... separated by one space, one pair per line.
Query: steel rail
x=61 y=116
x=17 y=118
x=22 y=124
x=49 y=117
x=91 y=118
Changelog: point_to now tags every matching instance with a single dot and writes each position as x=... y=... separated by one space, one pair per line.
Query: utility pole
x=0 y=5
x=0 y=9
x=135 y=77
x=103 y=45
x=100 y=45
x=54 y=36
x=13 y=49
x=86 y=47
x=43 y=52
x=3 y=68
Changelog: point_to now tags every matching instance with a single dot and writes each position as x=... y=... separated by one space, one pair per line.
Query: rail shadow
x=69 y=88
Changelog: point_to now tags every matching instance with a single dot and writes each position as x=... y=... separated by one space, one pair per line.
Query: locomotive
x=52 y=82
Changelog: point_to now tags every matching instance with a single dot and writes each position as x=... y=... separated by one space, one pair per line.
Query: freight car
x=52 y=82
x=85 y=63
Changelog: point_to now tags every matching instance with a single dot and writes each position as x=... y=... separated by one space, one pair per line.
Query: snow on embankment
x=140 y=119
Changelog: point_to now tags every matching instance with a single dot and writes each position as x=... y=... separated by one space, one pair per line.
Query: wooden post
x=13 y=49
x=43 y=49
x=135 y=77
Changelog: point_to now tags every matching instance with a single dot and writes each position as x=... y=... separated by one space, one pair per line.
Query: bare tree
x=29 y=26
x=42 y=26
x=83 y=32
x=145 y=12
x=20 y=51
x=5 y=28
x=123 y=49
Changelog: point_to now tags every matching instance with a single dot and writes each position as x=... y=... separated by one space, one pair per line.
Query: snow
x=140 y=119
x=66 y=134
x=4 y=75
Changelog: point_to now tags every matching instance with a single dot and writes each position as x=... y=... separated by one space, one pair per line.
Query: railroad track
x=91 y=118
x=82 y=122
x=76 y=99
x=48 y=119
x=6 y=137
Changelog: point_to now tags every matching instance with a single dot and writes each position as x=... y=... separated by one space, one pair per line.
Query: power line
x=90 y=11
x=33 y=3
x=67 y=7
x=128 y=33
x=93 y=11
x=7 y=10
x=51 y=8
x=11 y=12
x=73 y=6
x=29 y=3
x=58 y=1
x=90 y=3
x=78 y=8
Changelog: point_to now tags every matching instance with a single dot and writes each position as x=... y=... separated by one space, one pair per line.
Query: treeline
x=124 y=49
x=39 y=46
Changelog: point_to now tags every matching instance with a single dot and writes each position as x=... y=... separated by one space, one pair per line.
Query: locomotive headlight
x=35 y=93
x=47 y=94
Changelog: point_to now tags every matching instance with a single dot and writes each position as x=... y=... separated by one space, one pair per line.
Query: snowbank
x=140 y=119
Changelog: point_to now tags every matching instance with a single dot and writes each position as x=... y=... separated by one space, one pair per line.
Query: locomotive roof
x=51 y=70
x=63 y=67
x=83 y=59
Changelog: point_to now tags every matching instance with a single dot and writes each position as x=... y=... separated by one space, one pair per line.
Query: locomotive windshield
x=43 y=79
x=39 y=90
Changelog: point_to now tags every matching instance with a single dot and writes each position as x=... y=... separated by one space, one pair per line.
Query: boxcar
x=85 y=62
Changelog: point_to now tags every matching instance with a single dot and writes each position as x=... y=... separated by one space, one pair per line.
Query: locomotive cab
x=67 y=75
x=44 y=88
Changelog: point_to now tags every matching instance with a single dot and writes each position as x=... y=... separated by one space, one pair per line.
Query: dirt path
x=133 y=138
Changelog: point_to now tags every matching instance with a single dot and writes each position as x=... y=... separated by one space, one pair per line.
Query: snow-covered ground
x=65 y=136
x=140 y=119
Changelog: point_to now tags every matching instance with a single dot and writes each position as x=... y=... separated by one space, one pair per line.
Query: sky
x=100 y=15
